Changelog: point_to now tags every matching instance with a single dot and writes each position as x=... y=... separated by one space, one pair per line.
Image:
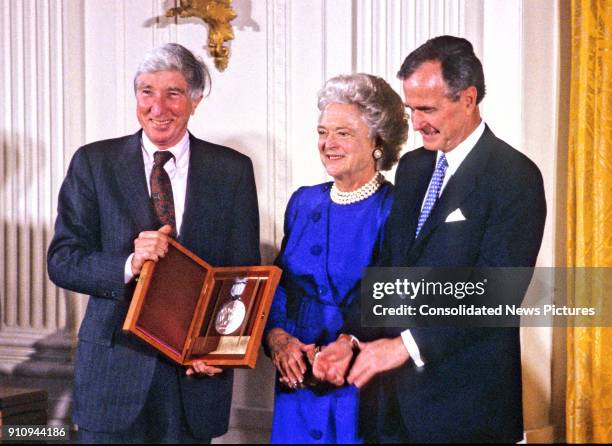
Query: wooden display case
x=190 y=310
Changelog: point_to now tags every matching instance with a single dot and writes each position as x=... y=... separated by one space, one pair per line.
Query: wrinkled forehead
x=162 y=79
x=428 y=75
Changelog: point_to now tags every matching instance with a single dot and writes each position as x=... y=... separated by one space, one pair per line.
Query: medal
x=232 y=313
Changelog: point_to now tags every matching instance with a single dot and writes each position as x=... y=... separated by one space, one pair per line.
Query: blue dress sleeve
x=278 y=311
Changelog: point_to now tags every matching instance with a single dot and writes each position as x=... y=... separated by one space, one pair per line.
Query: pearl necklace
x=361 y=193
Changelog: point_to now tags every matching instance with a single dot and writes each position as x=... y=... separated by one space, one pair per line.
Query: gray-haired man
x=120 y=202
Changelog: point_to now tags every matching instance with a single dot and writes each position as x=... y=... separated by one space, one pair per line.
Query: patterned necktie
x=434 y=191
x=161 y=190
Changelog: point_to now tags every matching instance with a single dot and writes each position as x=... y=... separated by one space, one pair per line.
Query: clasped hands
x=290 y=357
x=333 y=363
x=153 y=245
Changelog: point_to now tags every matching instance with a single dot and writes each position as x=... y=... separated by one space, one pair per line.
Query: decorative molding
x=33 y=154
x=386 y=32
x=119 y=66
x=337 y=39
x=502 y=60
x=36 y=353
x=278 y=57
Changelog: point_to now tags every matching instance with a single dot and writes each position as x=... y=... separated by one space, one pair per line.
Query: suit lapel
x=457 y=190
x=130 y=174
x=202 y=187
x=418 y=174
x=458 y=187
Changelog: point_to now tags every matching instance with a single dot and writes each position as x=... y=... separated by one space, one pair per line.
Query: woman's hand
x=288 y=356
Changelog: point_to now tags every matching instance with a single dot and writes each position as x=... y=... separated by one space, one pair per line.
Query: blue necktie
x=434 y=191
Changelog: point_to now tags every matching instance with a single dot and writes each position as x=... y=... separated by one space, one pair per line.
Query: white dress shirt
x=454 y=158
x=177 y=169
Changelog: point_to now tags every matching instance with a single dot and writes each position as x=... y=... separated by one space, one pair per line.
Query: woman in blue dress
x=331 y=233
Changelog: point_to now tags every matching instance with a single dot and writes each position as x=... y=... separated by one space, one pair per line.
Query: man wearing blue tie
x=464 y=199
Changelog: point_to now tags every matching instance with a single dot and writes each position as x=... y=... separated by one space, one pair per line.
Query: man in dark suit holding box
x=465 y=199
x=120 y=202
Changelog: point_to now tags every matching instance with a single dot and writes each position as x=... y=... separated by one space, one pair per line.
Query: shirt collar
x=455 y=157
x=179 y=150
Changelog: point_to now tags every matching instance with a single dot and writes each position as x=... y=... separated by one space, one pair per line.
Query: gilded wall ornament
x=217 y=14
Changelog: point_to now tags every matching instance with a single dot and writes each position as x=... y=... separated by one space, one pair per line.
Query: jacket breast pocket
x=455 y=233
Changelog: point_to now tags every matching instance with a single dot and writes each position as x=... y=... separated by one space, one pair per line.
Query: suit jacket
x=103 y=205
x=470 y=387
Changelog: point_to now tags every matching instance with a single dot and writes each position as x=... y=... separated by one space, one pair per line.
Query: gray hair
x=175 y=57
x=381 y=107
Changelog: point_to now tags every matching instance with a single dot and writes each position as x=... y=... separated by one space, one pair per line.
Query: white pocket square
x=456 y=215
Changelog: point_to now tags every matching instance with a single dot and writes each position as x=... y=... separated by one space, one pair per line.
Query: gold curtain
x=589 y=213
